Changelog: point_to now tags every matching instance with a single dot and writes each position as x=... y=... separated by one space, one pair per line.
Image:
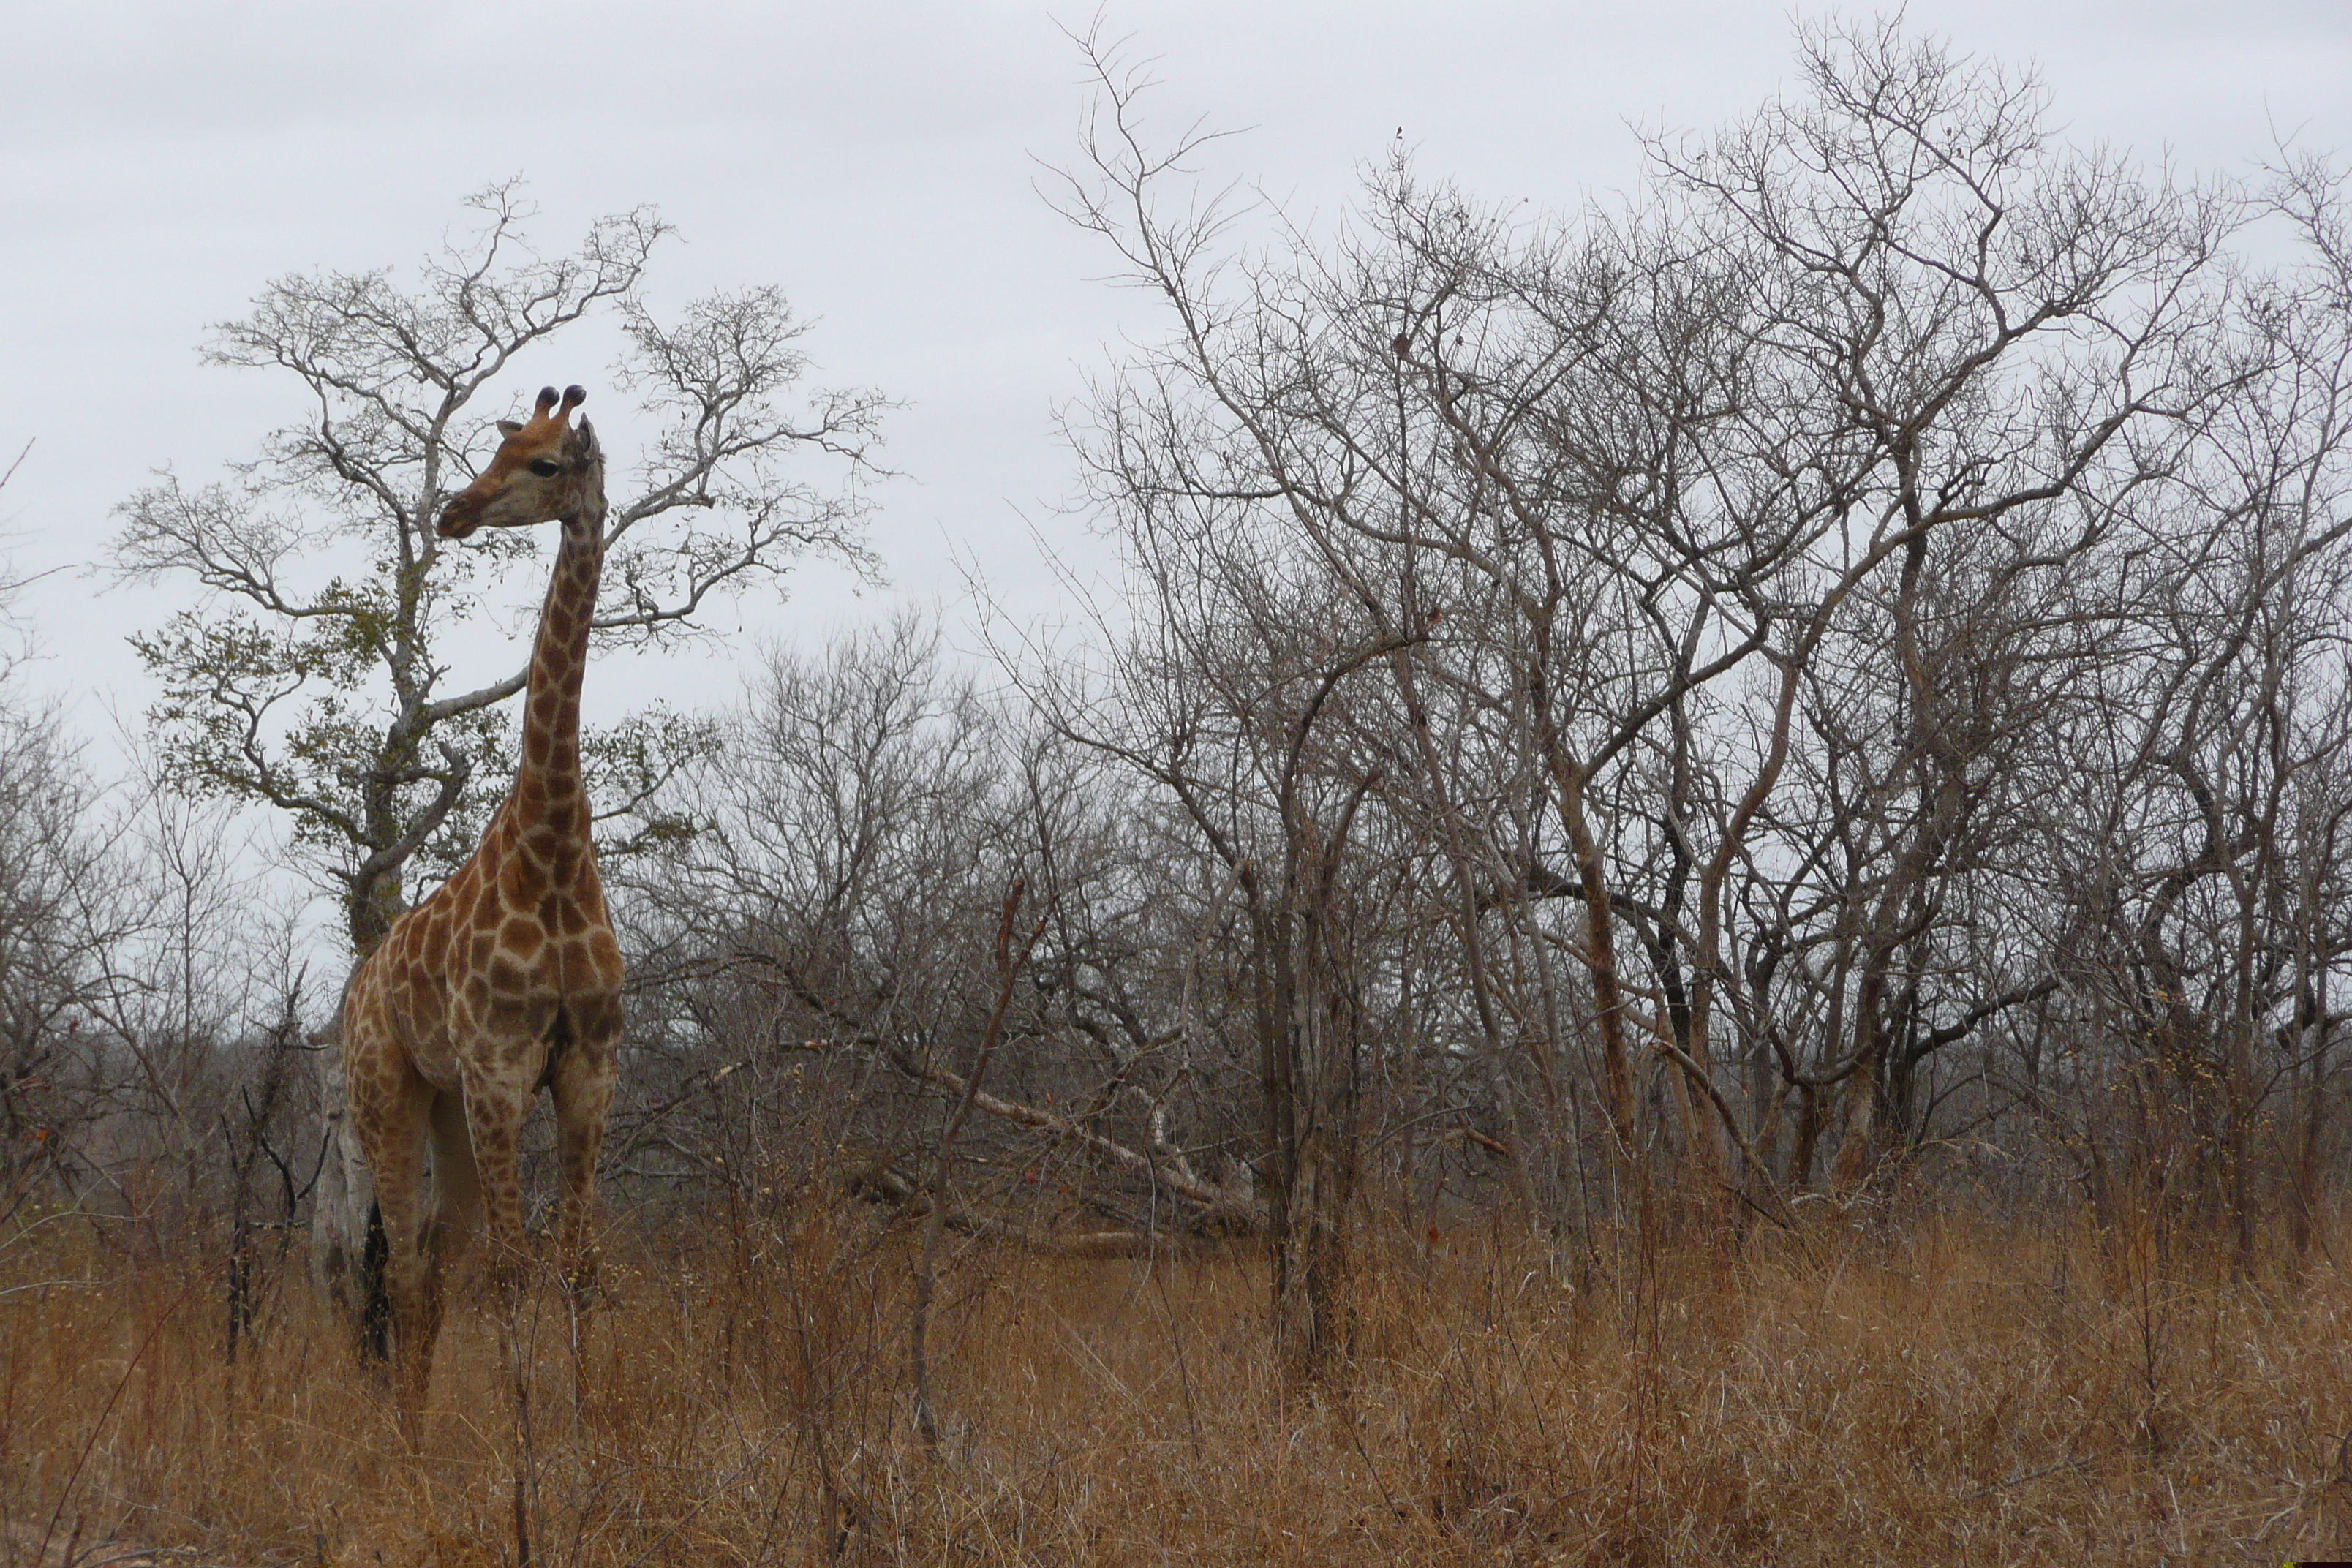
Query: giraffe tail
x=375 y=1298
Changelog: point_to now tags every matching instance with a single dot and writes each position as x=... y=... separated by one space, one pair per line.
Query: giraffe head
x=544 y=471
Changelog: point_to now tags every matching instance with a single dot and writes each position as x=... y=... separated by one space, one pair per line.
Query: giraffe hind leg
x=581 y=1078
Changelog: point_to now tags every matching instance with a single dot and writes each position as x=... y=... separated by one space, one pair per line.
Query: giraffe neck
x=547 y=784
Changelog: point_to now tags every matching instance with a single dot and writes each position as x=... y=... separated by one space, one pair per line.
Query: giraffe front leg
x=583 y=1085
x=495 y=1108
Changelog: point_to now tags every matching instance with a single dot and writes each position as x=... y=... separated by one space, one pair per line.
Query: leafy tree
x=309 y=676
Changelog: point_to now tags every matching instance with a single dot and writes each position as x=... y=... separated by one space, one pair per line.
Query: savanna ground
x=1930 y=1390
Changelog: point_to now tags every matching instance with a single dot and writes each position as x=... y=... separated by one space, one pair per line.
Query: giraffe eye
x=545 y=468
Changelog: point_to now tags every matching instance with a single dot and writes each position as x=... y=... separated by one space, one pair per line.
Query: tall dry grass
x=1941 y=1391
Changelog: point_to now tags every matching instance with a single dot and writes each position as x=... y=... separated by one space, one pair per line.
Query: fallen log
x=1223 y=1207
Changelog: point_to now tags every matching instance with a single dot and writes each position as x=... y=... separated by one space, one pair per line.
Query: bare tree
x=829 y=941
x=65 y=916
x=1675 y=523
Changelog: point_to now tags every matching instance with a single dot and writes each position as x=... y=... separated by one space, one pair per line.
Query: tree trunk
x=343 y=1199
x=342 y=1207
x=1309 y=1041
x=1313 y=1312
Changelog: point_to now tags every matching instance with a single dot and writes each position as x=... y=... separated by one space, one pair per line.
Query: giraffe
x=508 y=978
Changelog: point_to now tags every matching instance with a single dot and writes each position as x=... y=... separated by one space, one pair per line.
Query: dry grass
x=1947 y=1393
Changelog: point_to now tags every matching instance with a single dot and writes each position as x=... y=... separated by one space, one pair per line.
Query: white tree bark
x=345 y=1191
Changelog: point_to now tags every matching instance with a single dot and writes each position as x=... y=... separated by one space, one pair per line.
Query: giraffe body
x=507 y=979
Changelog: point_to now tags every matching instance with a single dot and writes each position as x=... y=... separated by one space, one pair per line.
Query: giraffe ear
x=509 y=428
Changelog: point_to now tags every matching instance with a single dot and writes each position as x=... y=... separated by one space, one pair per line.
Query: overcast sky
x=159 y=162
